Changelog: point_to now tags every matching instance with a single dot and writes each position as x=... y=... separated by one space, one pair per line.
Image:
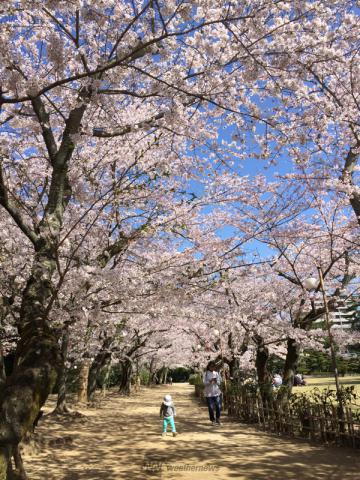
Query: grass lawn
x=325 y=382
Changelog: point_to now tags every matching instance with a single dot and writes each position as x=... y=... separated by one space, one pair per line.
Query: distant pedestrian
x=212 y=381
x=168 y=412
x=170 y=380
x=277 y=380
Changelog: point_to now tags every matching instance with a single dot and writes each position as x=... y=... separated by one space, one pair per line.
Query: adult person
x=212 y=381
x=299 y=380
x=277 y=380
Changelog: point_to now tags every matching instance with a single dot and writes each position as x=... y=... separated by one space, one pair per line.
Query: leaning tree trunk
x=264 y=376
x=37 y=359
x=125 y=382
x=101 y=362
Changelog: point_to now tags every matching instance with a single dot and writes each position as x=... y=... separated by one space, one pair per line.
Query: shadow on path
x=122 y=439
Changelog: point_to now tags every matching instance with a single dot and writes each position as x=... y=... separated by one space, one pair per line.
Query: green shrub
x=196 y=379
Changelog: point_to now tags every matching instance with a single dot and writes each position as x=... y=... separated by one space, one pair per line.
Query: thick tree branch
x=44 y=121
x=288 y=277
x=13 y=211
x=347 y=177
x=120 y=245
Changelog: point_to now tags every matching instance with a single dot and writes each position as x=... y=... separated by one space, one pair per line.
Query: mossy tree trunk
x=38 y=358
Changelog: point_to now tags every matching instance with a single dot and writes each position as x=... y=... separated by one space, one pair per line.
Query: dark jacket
x=167 y=410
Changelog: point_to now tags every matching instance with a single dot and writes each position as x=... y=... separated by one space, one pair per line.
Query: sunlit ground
x=122 y=439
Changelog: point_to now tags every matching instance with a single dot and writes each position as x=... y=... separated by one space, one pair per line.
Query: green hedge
x=196 y=379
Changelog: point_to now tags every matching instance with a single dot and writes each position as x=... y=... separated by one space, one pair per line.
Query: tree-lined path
x=121 y=439
x=179 y=183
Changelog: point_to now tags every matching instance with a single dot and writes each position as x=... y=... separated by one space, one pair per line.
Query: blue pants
x=169 y=421
x=214 y=403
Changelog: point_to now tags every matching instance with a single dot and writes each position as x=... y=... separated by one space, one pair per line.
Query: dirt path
x=122 y=439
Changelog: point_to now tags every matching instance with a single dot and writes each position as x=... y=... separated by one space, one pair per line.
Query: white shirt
x=212 y=389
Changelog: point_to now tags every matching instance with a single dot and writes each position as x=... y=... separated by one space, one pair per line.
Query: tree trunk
x=264 y=376
x=2 y=370
x=20 y=470
x=151 y=371
x=125 y=383
x=162 y=375
x=101 y=361
x=291 y=362
x=83 y=381
x=106 y=379
x=234 y=368
x=61 y=406
x=37 y=359
x=347 y=177
x=5 y=463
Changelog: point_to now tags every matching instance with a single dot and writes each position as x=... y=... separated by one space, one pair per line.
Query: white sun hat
x=167 y=400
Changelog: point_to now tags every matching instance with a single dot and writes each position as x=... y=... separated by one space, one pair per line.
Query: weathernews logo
x=178 y=467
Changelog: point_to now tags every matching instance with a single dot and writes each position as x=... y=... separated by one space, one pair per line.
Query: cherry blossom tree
x=108 y=111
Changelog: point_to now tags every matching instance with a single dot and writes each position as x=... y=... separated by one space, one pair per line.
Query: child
x=168 y=412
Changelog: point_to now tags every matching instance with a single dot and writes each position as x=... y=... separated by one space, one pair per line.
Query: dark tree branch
x=14 y=212
x=44 y=121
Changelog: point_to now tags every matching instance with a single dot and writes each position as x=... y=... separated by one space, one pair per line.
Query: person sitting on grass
x=299 y=380
x=168 y=412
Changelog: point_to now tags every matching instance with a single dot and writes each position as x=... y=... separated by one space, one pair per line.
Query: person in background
x=277 y=380
x=299 y=380
x=212 y=382
x=168 y=412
